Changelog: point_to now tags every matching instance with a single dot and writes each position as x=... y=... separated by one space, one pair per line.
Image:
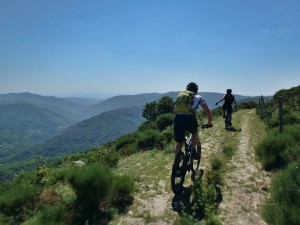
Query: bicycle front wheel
x=178 y=173
x=196 y=158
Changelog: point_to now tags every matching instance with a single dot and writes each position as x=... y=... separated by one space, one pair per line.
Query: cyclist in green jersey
x=186 y=104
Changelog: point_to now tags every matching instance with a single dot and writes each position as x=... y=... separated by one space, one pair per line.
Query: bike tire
x=177 y=179
x=195 y=162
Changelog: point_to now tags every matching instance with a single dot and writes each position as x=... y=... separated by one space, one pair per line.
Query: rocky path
x=243 y=192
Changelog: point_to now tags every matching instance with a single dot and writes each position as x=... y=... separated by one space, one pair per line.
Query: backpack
x=184 y=101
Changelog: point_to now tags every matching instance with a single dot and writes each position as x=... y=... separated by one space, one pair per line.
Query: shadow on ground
x=195 y=199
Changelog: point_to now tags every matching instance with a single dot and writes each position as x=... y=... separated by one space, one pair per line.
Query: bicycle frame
x=185 y=162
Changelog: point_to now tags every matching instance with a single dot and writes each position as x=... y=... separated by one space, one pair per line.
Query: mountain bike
x=186 y=161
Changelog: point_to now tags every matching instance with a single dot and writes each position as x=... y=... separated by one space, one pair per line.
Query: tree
x=165 y=105
x=150 y=111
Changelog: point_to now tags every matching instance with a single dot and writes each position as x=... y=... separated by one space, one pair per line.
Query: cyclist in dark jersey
x=228 y=99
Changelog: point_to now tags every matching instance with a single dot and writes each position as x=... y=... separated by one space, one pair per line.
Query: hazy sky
x=89 y=48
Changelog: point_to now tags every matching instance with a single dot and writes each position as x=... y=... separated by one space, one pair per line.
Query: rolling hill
x=60 y=106
x=127 y=101
x=89 y=133
x=23 y=125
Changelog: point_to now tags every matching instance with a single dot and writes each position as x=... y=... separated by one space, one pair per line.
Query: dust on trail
x=242 y=191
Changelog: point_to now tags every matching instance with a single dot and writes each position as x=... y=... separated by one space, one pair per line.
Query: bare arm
x=222 y=99
x=208 y=114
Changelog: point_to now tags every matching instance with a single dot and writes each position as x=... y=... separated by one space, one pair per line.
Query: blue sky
x=108 y=47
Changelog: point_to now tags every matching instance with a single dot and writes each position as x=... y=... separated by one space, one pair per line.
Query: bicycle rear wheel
x=178 y=173
x=196 y=158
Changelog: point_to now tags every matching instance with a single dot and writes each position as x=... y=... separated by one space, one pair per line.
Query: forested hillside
x=91 y=133
x=22 y=125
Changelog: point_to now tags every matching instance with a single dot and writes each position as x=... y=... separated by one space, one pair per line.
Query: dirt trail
x=242 y=192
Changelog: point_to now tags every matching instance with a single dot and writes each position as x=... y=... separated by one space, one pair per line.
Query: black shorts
x=228 y=109
x=183 y=123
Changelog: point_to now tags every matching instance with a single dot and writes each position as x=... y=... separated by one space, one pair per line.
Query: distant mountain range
x=34 y=125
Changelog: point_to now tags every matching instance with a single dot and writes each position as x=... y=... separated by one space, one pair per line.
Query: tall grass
x=284 y=206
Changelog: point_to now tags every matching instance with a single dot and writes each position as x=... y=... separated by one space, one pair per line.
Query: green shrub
x=150 y=139
x=284 y=205
x=289 y=118
x=213 y=220
x=126 y=145
x=124 y=141
x=50 y=215
x=164 y=120
x=19 y=197
x=148 y=125
x=168 y=134
x=120 y=192
x=91 y=184
x=68 y=196
x=6 y=220
x=271 y=150
x=97 y=189
x=248 y=105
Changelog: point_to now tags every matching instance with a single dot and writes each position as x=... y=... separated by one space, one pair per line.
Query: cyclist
x=228 y=99
x=186 y=104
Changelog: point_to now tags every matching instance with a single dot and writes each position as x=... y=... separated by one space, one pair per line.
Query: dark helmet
x=228 y=91
x=192 y=87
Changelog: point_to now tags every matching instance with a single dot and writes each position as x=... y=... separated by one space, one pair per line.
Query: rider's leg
x=178 y=147
x=229 y=112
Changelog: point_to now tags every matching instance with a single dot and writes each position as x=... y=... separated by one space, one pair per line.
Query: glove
x=217 y=103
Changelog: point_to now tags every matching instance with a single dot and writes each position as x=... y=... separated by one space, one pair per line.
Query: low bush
x=168 y=134
x=213 y=220
x=289 y=118
x=18 y=197
x=50 y=215
x=150 y=139
x=120 y=192
x=248 y=105
x=164 y=120
x=126 y=145
x=284 y=205
x=96 y=185
x=125 y=141
x=271 y=150
x=277 y=150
